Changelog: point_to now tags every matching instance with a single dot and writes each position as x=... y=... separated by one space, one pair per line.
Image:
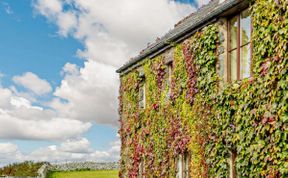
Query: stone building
x=209 y=98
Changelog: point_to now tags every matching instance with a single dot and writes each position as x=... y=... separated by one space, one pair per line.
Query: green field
x=84 y=174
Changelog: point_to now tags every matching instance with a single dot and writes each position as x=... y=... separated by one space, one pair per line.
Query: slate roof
x=189 y=24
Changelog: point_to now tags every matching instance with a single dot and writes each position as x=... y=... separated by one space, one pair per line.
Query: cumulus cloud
x=8 y=148
x=20 y=119
x=70 y=150
x=70 y=69
x=5 y=97
x=79 y=152
x=33 y=83
x=89 y=94
x=79 y=145
x=52 y=129
x=9 y=153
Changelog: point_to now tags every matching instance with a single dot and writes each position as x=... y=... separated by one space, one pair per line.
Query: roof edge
x=175 y=38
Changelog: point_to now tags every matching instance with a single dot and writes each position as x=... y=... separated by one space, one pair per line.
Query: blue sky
x=58 y=82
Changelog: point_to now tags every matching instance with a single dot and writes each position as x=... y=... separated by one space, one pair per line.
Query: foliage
x=84 y=174
x=248 y=116
x=27 y=168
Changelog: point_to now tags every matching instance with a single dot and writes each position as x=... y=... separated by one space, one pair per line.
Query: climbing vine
x=196 y=116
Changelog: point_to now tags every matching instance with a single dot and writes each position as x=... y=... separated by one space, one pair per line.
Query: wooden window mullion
x=238 y=46
x=229 y=52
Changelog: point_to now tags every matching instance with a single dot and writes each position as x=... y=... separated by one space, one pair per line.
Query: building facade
x=210 y=98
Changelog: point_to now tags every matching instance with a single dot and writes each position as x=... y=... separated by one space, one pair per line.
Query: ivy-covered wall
x=248 y=116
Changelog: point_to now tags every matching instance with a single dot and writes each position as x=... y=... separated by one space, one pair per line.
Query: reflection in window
x=182 y=166
x=233 y=61
x=245 y=24
x=245 y=54
x=169 y=79
x=179 y=167
x=245 y=61
x=142 y=96
x=186 y=165
x=221 y=60
x=234 y=32
x=240 y=46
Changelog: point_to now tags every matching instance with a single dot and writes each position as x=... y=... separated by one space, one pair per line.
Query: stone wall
x=84 y=165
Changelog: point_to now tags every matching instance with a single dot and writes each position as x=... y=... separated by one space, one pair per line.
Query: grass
x=84 y=174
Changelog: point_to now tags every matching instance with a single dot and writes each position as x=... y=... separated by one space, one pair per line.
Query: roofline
x=179 y=36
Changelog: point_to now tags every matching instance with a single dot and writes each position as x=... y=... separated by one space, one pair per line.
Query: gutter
x=178 y=37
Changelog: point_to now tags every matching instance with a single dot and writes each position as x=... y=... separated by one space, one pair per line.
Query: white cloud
x=70 y=150
x=203 y=2
x=45 y=7
x=52 y=129
x=89 y=95
x=20 y=119
x=8 y=148
x=71 y=69
x=79 y=152
x=80 y=145
x=33 y=83
x=9 y=153
x=20 y=102
x=5 y=97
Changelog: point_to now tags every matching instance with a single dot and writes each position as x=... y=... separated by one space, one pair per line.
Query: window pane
x=179 y=167
x=221 y=37
x=186 y=166
x=169 y=75
x=141 y=93
x=233 y=61
x=142 y=97
x=245 y=24
x=221 y=65
x=233 y=31
x=245 y=62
